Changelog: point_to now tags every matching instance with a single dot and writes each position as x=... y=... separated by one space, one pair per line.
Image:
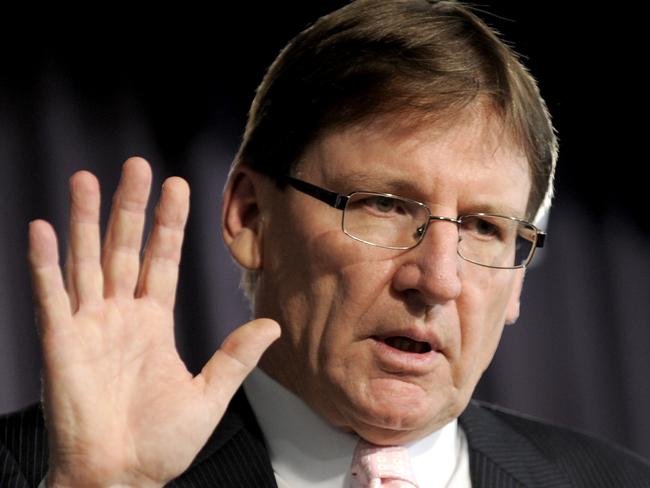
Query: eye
x=486 y=228
x=384 y=205
x=480 y=227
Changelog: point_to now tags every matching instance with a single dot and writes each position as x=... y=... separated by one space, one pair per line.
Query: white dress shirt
x=308 y=452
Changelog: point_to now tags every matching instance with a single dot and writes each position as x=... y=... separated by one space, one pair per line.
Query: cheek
x=482 y=312
x=320 y=285
x=349 y=273
x=354 y=281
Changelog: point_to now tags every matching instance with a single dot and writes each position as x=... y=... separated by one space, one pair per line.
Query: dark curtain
x=79 y=95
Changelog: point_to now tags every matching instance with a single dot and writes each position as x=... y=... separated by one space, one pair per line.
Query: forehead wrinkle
x=478 y=126
x=376 y=181
x=371 y=157
x=375 y=170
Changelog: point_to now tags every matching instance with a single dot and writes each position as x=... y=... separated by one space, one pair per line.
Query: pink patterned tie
x=386 y=467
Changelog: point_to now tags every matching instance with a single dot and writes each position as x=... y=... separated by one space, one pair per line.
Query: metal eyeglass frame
x=339 y=201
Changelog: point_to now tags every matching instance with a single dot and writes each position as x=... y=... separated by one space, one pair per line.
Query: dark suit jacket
x=506 y=450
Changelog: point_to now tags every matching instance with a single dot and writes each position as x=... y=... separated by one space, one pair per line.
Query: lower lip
x=393 y=360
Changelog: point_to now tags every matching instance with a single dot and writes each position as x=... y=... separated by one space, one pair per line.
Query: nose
x=430 y=271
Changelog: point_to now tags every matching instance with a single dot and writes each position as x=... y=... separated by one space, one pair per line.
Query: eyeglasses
x=394 y=222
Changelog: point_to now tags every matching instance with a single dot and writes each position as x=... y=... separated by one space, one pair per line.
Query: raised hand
x=120 y=405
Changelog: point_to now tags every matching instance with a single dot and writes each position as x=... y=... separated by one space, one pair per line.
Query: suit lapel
x=235 y=455
x=502 y=457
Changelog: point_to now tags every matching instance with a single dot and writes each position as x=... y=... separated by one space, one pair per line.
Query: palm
x=121 y=406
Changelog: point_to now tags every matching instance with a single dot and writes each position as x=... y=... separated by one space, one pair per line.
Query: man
x=381 y=207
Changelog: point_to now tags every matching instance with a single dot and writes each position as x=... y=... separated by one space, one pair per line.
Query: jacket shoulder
x=577 y=457
x=23 y=447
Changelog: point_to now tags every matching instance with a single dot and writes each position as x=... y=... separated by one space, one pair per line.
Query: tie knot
x=381 y=466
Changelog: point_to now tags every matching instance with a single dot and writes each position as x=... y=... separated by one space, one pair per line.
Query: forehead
x=470 y=163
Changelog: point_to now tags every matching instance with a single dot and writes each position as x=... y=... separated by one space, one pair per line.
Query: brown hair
x=427 y=59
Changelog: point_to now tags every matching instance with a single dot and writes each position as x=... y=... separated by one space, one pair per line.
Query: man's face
x=341 y=302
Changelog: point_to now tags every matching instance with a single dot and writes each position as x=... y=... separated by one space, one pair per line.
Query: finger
x=51 y=299
x=83 y=268
x=159 y=275
x=121 y=254
x=239 y=354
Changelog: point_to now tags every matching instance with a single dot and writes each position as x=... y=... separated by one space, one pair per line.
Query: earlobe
x=512 y=311
x=241 y=220
x=245 y=250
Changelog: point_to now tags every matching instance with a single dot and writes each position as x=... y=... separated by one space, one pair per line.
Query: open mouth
x=407 y=345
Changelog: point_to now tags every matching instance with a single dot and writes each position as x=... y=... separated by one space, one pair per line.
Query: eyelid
x=487 y=210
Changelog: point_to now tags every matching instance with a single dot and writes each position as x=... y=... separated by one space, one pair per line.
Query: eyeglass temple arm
x=331 y=198
x=541 y=239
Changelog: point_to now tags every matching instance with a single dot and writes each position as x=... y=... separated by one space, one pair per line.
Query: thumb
x=235 y=359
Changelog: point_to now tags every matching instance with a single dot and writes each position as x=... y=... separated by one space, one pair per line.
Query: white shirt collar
x=306 y=451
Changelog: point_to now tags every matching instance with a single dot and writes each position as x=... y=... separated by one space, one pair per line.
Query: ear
x=512 y=310
x=240 y=219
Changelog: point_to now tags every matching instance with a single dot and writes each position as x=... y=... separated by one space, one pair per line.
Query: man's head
x=412 y=98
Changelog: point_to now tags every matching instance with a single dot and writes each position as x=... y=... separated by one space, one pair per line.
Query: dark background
x=174 y=86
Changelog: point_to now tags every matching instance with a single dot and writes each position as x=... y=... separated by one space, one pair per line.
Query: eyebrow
x=490 y=208
x=396 y=185
x=376 y=183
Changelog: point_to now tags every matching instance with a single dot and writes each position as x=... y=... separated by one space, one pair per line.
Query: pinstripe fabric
x=23 y=449
x=511 y=450
x=506 y=451
x=234 y=456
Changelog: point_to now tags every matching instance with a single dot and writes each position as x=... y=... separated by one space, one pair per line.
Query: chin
x=396 y=421
x=400 y=414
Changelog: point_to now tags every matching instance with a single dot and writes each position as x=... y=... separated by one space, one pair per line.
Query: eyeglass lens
x=398 y=223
